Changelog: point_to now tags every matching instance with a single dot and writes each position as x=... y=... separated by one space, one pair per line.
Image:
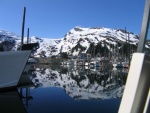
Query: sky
x=54 y=18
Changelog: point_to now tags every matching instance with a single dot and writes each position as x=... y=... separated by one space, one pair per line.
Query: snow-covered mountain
x=86 y=36
x=77 y=40
x=81 y=83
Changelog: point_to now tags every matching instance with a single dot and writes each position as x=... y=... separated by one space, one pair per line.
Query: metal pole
x=23 y=22
x=129 y=48
x=28 y=36
x=144 y=29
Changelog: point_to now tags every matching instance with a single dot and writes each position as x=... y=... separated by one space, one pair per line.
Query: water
x=73 y=90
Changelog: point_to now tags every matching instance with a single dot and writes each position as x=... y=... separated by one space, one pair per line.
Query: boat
x=119 y=62
x=100 y=62
x=121 y=65
x=12 y=64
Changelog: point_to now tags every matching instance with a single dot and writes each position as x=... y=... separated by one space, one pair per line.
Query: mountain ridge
x=77 y=40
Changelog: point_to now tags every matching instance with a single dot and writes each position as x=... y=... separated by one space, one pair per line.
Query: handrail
x=144 y=29
x=136 y=93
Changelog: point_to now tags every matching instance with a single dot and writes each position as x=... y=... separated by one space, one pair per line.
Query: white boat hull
x=12 y=64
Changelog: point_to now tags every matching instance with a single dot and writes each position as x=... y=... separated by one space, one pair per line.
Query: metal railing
x=136 y=94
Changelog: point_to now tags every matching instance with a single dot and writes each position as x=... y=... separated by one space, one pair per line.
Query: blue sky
x=54 y=18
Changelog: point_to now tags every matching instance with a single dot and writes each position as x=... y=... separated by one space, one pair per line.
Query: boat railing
x=136 y=94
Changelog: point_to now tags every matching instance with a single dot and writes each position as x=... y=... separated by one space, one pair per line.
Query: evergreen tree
x=91 y=49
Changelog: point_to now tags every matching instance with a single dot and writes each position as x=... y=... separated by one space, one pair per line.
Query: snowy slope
x=10 y=41
x=75 y=37
x=86 y=36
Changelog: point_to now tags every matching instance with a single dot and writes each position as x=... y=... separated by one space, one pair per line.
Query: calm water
x=73 y=90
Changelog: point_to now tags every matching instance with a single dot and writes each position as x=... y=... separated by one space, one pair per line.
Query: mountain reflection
x=82 y=83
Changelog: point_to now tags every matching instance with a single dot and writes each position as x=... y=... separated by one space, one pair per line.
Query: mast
x=109 y=50
x=23 y=22
x=28 y=36
x=129 y=49
x=126 y=41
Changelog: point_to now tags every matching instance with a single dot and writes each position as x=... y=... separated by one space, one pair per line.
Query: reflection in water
x=81 y=83
x=72 y=90
x=24 y=93
x=10 y=102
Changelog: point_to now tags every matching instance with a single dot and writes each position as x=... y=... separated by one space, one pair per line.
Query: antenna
x=23 y=22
